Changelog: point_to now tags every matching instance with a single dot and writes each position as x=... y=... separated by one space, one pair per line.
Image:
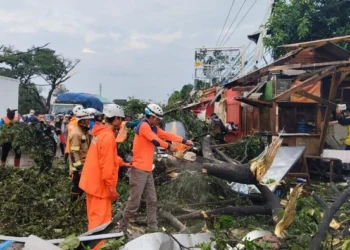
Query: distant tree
x=61 y=89
x=186 y=90
x=120 y=102
x=306 y=20
x=26 y=102
x=199 y=84
x=33 y=63
x=174 y=98
x=135 y=106
x=54 y=69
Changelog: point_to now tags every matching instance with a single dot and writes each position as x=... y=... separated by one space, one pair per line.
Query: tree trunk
x=48 y=99
x=231 y=172
x=207 y=151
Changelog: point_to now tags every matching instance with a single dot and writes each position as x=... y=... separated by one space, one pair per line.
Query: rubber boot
x=17 y=162
x=74 y=197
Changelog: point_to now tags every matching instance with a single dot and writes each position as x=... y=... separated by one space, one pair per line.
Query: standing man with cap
x=79 y=142
x=99 y=177
x=9 y=119
x=148 y=136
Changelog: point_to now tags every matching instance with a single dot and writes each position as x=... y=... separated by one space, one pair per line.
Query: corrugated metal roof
x=335 y=50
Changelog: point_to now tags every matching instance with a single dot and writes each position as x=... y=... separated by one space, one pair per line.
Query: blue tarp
x=87 y=100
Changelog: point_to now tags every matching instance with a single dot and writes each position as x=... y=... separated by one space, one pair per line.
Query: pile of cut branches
x=34 y=203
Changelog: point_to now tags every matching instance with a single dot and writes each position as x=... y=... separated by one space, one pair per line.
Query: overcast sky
x=140 y=48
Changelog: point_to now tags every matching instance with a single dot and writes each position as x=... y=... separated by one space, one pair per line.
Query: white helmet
x=82 y=114
x=113 y=110
x=91 y=111
x=154 y=110
x=76 y=109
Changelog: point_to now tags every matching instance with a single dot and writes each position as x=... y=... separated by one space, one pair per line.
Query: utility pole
x=100 y=89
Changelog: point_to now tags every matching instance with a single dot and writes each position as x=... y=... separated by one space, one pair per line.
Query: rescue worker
x=99 y=177
x=64 y=136
x=92 y=112
x=79 y=141
x=9 y=119
x=148 y=136
x=344 y=120
x=72 y=124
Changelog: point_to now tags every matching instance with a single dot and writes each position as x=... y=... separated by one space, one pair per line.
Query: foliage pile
x=33 y=203
x=193 y=187
x=246 y=149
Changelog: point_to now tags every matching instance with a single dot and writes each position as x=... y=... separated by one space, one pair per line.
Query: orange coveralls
x=100 y=173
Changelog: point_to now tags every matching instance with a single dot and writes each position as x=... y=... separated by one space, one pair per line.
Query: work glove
x=172 y=148
x=113 y=195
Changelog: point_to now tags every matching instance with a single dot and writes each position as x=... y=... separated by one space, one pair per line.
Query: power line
x=233 y=21
x=240 y=22
x=228 y=15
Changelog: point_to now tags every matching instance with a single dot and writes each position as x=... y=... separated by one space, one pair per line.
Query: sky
x=135 y=48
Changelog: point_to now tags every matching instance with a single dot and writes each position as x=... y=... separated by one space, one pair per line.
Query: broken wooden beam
x=316 y=42
x=325 y=72
x=317 y=99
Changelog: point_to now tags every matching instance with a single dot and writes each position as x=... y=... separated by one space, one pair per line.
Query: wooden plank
x=316 y=42
x=315 y=78
x=273 y=116
x=317 y=99
x=336 y=81
x=309 y=65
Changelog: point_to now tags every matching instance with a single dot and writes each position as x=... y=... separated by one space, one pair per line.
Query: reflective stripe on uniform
x=76 y=164
x=347 y=140
x=74 y=148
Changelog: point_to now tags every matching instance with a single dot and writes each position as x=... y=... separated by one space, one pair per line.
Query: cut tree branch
x=225 y=157
x=244 y=210
x=327 y=218
x=172 y=220
x=246 y=149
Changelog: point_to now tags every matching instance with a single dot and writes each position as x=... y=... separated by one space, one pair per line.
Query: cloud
x=91 y=36
x=114 y=35
x=143 y=41
x=23 y=22
x=165 y=37
x=88 y=51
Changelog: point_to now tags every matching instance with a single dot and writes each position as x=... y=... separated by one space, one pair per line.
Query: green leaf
x=70 y=243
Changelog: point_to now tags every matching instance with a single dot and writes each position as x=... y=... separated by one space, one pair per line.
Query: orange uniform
x=146 y=138
x=122 y=134
x=100 y=173
x=71 y=125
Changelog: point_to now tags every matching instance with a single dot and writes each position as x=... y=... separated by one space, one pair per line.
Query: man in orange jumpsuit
x=99 y=177
x=148 y=136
